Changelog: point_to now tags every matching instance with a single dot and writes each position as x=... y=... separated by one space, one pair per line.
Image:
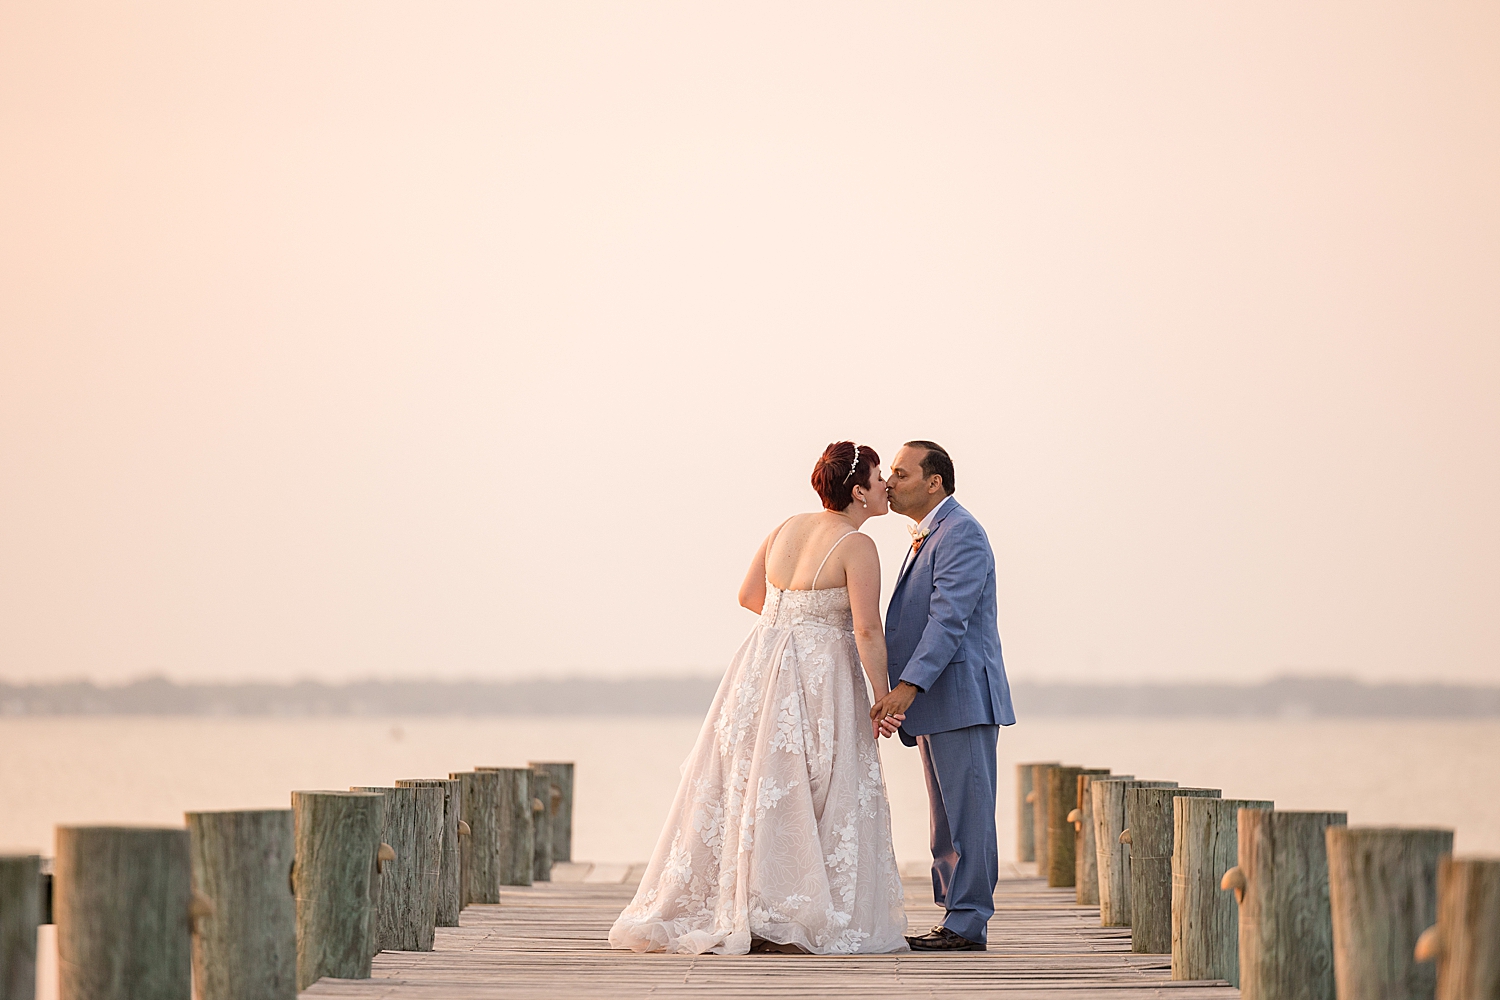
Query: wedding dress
x=780 y=829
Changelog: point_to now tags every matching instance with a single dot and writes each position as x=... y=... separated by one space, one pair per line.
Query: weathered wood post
x=392 y=873
x=1026 y=810
x=1113 y=852
x=1041 y=781
x=449 y=888
x=1062 y=836
x=515 y=837
x=1206 y=921
x=122 y=904
x=242 y=862
x=20 y=914
x=1382 y=891
x=481 y=812
x=337 y=838
x=1149 y=829
x=1465 y=941
x=1113 y=846
x=560 y=808
x=427 y=862
x=1085 y=847
x=408 y=884
x=466 y=793
x=541 y=825
x=1281 y=884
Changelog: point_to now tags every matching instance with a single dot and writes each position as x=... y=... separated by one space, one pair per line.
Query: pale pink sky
x=487 y=340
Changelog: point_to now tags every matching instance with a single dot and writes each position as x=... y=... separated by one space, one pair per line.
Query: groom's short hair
x=936 y=463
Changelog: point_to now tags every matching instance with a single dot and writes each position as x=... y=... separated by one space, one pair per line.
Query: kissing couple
x=779 y=838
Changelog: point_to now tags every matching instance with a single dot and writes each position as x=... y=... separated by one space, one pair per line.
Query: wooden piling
x=337 y=836
x=1041 y=781
x=242 y=862
x=1382 y=891
x=466 y=793
x=1286 y=926
x=541 y=825
x=1085 y=848
x=122 y=901
x=1062 y=836
x=449 y=886
x=1113 y=854
x=1026 y=810
x=515 y=840
x=481 y=812
x=1465 y=941
x=1205 y=920
x=1149 y=819
x=413 y=828
x=560 y=808
x=20 y=914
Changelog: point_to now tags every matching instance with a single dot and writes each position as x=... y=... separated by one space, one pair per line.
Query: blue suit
x=941 y=636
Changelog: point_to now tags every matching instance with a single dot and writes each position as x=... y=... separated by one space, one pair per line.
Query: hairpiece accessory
x=854 y=466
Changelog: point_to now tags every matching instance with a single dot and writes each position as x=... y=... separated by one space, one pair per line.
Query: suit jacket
x=941 y=632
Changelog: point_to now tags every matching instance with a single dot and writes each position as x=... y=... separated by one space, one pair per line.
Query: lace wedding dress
x=780 y=829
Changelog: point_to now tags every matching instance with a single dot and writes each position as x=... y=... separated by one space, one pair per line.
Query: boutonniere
x=918 y=536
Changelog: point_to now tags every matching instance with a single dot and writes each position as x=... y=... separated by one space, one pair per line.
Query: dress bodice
x=828 y=608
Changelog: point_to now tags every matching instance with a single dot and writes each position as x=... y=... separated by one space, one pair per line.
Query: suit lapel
x=912 y=557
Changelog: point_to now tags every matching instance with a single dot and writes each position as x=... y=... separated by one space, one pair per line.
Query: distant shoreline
x=1284 y=697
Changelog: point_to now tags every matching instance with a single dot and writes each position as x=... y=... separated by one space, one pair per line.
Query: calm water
x=149 y=770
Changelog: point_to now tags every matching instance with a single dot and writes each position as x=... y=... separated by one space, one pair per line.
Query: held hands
x=891 y=708
x=886 y=726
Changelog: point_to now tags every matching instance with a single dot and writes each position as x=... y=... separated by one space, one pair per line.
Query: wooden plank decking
x=548 y=942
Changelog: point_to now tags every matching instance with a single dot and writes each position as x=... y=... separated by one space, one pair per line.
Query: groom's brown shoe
x=941 y=938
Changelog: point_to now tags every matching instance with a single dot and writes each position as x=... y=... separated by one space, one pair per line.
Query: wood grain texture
x=1062 y=835
x=1113 y=856
x=481 y=811
x=515 y=846
x=449 y=888
x=337 y=837
x=1286 y=926
x=121 y=903
x=1468 y=966
x=1041 y=782
x=1025 y=814
x=1382 y=892
x=242 y=862
x=548 y=941
x=1205 y=918
x=20 y=913
x=1149 y=817
x=561 y=809
x=407 y=909
x=541 y=825
x=1085 y=847
x=466 y=794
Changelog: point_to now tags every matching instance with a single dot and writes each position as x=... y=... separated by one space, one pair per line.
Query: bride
x=780 y=836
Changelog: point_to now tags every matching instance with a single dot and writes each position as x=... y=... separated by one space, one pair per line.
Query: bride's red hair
x=831 y=476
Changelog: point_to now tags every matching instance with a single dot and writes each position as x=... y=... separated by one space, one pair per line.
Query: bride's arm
x=753 y=590
x=862 y=571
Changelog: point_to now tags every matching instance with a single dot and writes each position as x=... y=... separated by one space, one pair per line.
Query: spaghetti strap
x=814 y=584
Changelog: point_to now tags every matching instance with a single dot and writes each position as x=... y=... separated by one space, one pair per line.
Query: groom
x=949 y=680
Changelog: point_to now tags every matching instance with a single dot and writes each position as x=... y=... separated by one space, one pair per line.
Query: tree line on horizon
x=1286 y=697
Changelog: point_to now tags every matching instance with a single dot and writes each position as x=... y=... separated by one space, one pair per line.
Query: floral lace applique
x=787 y=774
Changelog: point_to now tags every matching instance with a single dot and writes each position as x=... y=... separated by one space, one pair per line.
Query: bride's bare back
x=803 y=554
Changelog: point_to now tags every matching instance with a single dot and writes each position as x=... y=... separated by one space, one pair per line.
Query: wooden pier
x=548 y=942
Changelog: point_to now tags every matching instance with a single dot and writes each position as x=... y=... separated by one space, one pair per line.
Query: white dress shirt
x=926 y=524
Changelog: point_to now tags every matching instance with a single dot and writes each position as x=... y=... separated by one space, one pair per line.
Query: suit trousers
x=960 y=769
